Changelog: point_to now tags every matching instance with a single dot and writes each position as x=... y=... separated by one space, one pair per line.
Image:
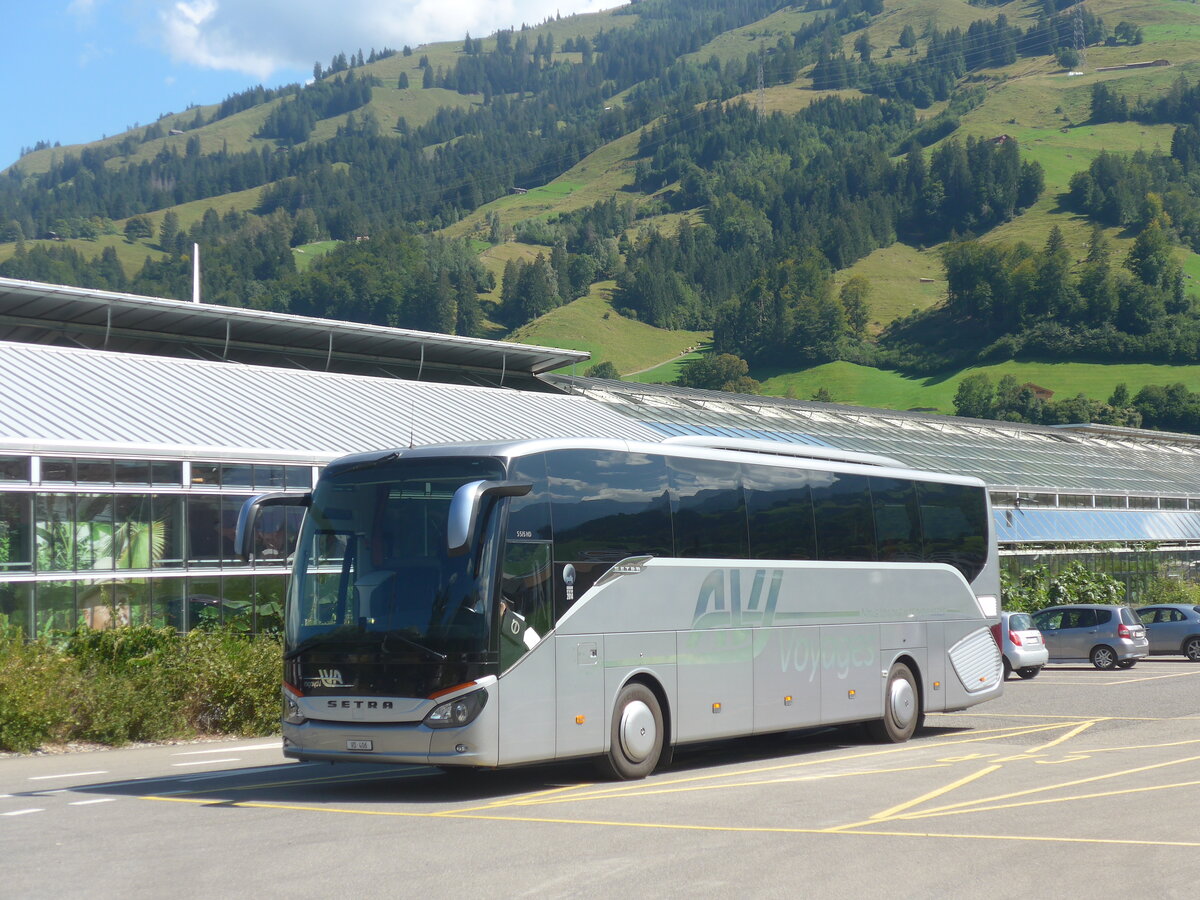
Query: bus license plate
x=360 y=745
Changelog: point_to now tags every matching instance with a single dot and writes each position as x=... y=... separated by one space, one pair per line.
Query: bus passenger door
x=526 y=687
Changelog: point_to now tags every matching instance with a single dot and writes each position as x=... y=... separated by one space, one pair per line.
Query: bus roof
x=732 y=449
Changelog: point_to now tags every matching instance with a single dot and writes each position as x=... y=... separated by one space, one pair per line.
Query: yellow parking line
x=928 y=814
x=649 y=789
x=666 y=826
x=712 y=828
x=1053 y=787
x=1079 y=729
x=938 y=792
x=1156 y=677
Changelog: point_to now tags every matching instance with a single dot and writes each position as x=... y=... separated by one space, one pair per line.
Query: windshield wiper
x=388 y=635
x=314 y=642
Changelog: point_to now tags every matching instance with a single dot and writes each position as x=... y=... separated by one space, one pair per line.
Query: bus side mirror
x=247 y=523
x=464 y=508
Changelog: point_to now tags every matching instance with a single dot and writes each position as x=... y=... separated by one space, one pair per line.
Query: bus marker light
x=450 y=690
x=850 y=694
x=579 y=720
x=716 y=708
x=787 y=701
x=937 y=685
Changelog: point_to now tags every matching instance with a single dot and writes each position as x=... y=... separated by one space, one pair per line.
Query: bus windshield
x=372 y=568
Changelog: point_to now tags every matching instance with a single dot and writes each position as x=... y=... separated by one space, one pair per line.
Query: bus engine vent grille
x=977 y=661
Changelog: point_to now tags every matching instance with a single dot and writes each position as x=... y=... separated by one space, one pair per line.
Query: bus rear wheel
x=902 y=713
x=636 y=736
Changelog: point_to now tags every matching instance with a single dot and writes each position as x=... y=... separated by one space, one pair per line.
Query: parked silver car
x=1172 y=628
x=1107 y=636
x=1022 y=645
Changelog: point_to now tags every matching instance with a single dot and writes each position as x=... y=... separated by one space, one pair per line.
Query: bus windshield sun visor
x=464 y=508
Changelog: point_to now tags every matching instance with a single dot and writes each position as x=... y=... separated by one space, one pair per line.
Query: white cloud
x=259 y=37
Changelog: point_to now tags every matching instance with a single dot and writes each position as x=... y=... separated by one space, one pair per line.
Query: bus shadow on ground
x=319 y=785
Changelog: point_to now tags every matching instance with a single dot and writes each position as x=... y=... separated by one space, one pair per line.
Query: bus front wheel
x=636 y=738
x=902 y=713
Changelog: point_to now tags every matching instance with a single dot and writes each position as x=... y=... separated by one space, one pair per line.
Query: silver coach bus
x=496 y=604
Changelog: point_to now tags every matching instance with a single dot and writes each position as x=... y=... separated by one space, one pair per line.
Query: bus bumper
x=413 y=743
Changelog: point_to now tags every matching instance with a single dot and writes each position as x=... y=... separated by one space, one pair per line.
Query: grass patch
x=590 y=323
x=883 y=389
x=306 y=253
x=902 y=279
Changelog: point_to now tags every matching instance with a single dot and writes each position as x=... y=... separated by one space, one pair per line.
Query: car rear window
x=1020 y=622
x=1128 y=617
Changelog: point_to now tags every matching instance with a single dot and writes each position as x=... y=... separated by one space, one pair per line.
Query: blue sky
x=89 y=68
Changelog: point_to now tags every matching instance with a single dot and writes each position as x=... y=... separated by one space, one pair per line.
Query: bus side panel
x=527 y=707
x=935 y=674
x=716 y=683
x=851 y=679
x=787 y=678
x=580 y=723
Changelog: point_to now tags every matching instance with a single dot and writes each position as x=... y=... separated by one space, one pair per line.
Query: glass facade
x=100 y=542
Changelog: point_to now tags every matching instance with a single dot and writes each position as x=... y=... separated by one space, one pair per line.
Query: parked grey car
x=1172 y=628
x=1107 y=636
x=1021 y=644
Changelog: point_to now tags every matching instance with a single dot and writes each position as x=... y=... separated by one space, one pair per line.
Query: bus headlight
x=291 y=710
x=457 y=712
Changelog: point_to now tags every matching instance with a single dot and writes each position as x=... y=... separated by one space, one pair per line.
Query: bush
x=1035 y=588
x=135 y=683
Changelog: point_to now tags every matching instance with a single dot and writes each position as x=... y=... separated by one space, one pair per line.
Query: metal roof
x=76 y=401
x=1006 y=456
x=36 y=313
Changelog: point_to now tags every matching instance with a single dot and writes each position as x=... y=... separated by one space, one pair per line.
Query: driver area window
x=526 y=602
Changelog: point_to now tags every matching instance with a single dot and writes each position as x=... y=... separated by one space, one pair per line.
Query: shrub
x=135 y=683
x=1035 y=588
x=35 y=686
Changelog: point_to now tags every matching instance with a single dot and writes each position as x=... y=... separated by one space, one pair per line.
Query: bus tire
x=636 y=735
x=901 y=707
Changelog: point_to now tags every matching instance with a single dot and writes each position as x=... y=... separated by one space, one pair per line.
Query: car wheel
x=902 y=714
x=1191 y=649
x=1127 y=664
x=1104 y=657
x=1007 y=668
x=636 y=738
x=1029 y=671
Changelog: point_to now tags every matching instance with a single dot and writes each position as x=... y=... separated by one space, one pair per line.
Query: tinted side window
x=1079 y=618
x=709 y=513
x=608 y=505
x=844 y=520
x=1051 y=620
x=1103 y=616
x=955 y=526
x=897 y=519
x=529 y=516
x=780 y=511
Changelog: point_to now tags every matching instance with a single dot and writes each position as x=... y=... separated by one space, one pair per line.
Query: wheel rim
x=638 y=731
x=902 y=702
x=1192 y=651
x=1104 y=658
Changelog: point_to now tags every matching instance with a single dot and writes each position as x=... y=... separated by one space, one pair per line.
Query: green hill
x=515 y=171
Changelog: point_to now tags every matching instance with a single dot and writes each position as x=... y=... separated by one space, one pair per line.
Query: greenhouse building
x=132 y=429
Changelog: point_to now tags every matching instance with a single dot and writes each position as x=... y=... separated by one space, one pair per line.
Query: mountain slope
x=593 y=135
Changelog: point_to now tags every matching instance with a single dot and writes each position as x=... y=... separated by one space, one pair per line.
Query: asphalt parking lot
x=1075 y=782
